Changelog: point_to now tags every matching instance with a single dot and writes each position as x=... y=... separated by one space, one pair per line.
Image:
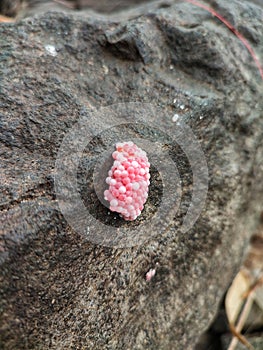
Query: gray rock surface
x=58 y=290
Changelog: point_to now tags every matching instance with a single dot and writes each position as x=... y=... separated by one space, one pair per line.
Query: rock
x=167 y=73
x=10 y=8
x=25 y=8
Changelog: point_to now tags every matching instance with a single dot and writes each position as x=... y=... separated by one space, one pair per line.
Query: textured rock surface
x=58 y=290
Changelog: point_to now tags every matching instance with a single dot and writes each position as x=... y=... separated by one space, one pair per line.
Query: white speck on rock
x=182 y=106
x=51 y=50
x=106 y=69
x=175 y=118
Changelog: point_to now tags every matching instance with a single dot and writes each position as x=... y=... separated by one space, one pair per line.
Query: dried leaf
x=254 y=259
x=259 y=297
x=235 y=296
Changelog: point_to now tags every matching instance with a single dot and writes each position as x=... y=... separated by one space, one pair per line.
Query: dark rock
x=10 y=8
x=174 y=68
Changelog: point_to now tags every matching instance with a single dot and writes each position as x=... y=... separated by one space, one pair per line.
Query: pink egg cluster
x=128 y=180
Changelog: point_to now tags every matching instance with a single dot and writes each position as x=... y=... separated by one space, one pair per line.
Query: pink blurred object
x=150 y=274
x=128 y=180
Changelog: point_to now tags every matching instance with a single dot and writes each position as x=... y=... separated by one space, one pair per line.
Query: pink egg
x=126 y=180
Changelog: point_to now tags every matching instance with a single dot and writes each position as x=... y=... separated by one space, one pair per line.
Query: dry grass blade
x=242 y=319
